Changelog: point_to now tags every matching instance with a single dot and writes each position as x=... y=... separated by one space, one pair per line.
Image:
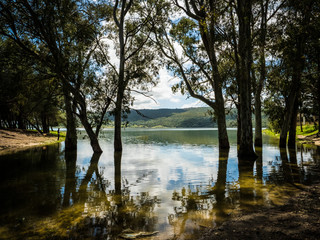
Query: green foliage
x=307 y=130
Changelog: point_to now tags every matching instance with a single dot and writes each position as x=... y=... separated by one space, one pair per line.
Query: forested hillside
x=178 y=118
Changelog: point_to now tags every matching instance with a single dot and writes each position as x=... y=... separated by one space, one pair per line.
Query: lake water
x=171 y=181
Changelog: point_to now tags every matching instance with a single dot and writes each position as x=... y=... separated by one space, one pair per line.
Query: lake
x=169 y=182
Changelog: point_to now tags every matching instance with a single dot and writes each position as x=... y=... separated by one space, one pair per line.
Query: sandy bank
x=312 y=139
x=12 y=140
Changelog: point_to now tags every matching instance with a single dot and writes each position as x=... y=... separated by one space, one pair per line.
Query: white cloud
x=162 y=94
x=197 y=103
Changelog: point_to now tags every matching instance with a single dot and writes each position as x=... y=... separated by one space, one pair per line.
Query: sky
x=163 y=97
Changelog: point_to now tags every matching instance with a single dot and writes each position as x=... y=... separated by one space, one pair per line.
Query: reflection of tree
x=246 y=183
x=221 y=186
x=290 y=169
x=259 y=173
x=70 y=185
x=200 y=204
x=30 y=184
x=294 y=165
x=259 y=163
x=106 y=214
x=97 y=184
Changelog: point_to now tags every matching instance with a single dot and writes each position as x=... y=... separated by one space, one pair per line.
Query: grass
x=269 y=132
x=308 y=130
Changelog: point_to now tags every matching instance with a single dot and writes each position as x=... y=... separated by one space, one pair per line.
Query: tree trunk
x=293 y=126
x=300 y=121
x=259 y=85
x=286 y=121
x=246 y=137
x=221 y=118
x=44 y=122
x=21 y=123
x=291 y=103
x=93 y=137
x=71 y=136
x=238 y=126
x=318 y=96
x=258 y=123
x=117 y=124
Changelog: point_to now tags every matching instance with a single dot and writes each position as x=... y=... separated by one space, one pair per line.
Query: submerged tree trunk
x=71 y=136
x=246 y=137
x=92 y=136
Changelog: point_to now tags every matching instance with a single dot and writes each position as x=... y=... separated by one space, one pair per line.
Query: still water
x=170 y=183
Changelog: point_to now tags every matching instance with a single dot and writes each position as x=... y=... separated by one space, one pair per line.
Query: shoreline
x=13 y=140
x=297 y=218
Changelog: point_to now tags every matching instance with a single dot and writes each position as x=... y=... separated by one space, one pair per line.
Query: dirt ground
x=13 y=140
x=313 y=139
x=299 y=218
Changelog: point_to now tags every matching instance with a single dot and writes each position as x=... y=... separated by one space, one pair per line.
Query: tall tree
x=298 y=17
x=130 y=33
x=244 y=12
x=200 y=41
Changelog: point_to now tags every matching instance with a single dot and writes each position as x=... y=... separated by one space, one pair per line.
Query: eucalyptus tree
x=63 y=36
x=297 y=20
x=265 y=13
x=199 y=65
x=244 y=13
x=136 y=66
x=29 y=95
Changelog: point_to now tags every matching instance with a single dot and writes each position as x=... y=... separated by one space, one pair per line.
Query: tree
x=298 y=17
x=29 y=93
x=244 y=12
x=130 y=32
x=63 y=36
x=199 y=67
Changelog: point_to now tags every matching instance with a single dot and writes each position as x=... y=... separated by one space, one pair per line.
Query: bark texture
x=246 y=134
x=71 y=136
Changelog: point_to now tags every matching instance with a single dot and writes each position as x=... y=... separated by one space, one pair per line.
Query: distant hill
x=177 y=118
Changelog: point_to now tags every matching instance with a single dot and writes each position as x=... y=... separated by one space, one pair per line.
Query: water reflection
x=176 y=188
x=70 y=184
x=221 y=204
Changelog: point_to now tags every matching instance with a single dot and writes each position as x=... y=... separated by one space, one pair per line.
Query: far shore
x=12 y=140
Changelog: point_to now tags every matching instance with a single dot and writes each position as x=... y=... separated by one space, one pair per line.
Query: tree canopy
x=68 y=60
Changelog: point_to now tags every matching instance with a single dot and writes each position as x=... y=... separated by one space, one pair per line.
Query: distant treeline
x=178 y=118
